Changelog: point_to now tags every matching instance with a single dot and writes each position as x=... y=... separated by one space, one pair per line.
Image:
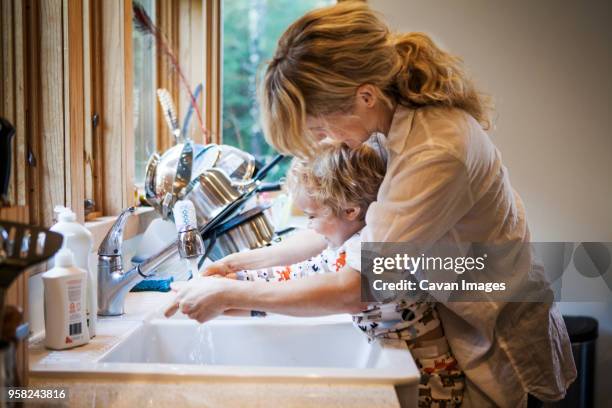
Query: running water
x=202 y=349
x=195 y=272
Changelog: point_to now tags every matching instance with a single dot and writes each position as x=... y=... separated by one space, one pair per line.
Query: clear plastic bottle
x=79 y=241
x=65 y=303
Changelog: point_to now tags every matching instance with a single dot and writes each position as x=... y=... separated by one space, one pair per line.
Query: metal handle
x=264 y=170
x=231 y=208
x=272 y=186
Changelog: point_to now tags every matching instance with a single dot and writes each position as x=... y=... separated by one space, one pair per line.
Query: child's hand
x=221 y=268
x=201 y=300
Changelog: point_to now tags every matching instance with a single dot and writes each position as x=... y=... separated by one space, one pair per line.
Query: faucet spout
x=113 y=283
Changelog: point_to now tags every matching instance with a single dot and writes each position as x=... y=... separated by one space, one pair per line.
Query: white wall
x=548 y=64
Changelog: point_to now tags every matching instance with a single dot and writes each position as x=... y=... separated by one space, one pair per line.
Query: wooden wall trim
x=12 y=92
x=54 y=115
x=116 y=110
x=94 y=148
x=192 y=38
x=74 y=106
x=129 y=191
x=20 y=105
x=8 y=74
x=50 y=152
x=88 y=107
x=167 y=19
x=212 y=17
x=33 y=115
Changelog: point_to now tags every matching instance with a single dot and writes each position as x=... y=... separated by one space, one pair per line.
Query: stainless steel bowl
x=161 y=176
x=238 y=164
x=149 y=184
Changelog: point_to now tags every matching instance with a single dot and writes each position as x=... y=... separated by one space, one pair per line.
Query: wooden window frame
x=110 y=104
x=82 y=57
x=53 y=84
x=213 y=68
x=167 y=19
x=193 y=29
x=198 y=47
x=199 y=51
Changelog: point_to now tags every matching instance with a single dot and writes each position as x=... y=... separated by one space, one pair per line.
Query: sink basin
x=287 y=353
x=321 y=351
x=307 y=349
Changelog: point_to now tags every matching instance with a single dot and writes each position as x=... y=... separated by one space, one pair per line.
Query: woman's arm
x=315 y=295
x=297 y=247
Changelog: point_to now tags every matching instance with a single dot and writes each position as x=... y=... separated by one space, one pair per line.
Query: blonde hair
x=339 y=177
x=324 y=56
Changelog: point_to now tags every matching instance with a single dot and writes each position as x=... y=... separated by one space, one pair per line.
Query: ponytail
x=431 y=76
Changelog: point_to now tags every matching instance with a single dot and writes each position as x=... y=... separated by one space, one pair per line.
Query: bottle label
x=75 y=311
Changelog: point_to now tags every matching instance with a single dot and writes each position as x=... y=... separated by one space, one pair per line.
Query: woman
x=338 y=73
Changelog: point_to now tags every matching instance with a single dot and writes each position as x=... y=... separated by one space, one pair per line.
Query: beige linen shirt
x=445 y=181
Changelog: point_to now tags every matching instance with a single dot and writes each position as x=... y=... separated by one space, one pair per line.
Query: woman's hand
x=316 y=295
x=201 y=299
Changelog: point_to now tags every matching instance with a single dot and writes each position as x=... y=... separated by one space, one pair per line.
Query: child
x=334 y=191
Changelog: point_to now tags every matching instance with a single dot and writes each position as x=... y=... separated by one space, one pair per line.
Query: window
x=250 y=31
x=144 y=96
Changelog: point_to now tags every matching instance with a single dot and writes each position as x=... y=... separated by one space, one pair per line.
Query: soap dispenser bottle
x=65 y=288
x=78 y=239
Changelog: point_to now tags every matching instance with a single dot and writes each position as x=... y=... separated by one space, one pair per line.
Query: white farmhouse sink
x=274 y=349
x=307 y=349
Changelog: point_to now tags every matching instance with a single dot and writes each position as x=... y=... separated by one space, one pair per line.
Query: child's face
x=321 y=219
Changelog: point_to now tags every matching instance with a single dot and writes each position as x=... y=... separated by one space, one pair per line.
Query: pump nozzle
x=64 y=214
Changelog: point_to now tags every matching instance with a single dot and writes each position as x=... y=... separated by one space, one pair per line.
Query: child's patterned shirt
x=442 y=382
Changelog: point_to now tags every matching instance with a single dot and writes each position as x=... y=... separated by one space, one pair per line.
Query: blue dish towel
x=154 y=285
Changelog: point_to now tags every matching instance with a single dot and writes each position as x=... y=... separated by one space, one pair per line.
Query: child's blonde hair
x=339 y=177
x=327 y=54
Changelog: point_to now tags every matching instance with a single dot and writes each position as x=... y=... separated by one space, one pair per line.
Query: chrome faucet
x=190 y=243
x=113 y=282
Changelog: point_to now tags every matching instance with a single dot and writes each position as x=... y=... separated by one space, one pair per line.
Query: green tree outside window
x=251 y=29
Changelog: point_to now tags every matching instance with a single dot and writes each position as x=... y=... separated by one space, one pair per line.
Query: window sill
x=136 y=224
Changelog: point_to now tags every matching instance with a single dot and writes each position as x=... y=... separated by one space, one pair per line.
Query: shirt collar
x=401 y=125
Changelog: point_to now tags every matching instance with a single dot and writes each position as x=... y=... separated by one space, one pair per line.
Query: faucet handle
x=111 y=245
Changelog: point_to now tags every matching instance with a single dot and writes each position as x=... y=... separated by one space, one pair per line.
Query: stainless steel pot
x=213 y=191
x=214 y=179
x=168 y=176
x=249 y=230
x=210 y=193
